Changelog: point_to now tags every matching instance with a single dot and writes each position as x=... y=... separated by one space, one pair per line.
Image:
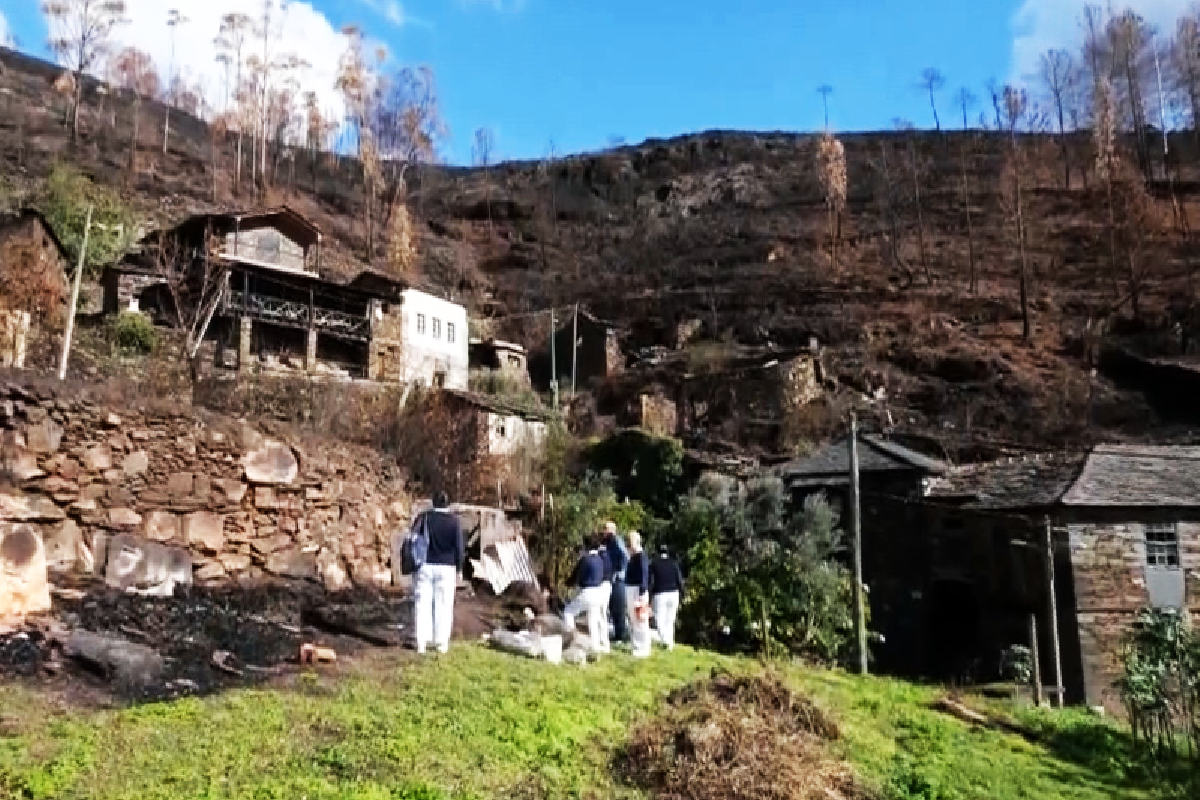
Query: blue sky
x=579 y=73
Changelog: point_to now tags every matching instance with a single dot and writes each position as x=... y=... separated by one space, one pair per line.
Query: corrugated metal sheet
x=505 y=563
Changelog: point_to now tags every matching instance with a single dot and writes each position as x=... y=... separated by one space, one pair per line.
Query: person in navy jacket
x=591 y=598
x=666 y=592
x=437 y=579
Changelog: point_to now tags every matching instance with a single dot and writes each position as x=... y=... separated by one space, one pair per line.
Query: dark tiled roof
x=875 y=454
x=1138 y=475
x=498 y=405
x=1029 y=482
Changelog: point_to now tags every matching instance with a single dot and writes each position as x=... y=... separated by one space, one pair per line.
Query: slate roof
x=1013 y=483
x=875 y=454
x=1138 y=475
x=500 y=406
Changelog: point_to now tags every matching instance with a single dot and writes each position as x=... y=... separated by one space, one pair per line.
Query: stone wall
x=243 y=504
x=14 y=336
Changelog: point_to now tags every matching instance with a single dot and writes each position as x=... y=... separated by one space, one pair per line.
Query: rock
x=162 y=526
x=211 y=572
x=135 y=463
x=97 y=459
x=21 y=463
x=180 y=484
x=88 y=499
x=124 y=518
x=133 y=666
x=24 y=588
x=202 y=488
x=113 y=475
x=44 y=436
x=268 y=546
x=264 y=498
x=29 y=508
x=234 y=491
x=63 y=543
x=112 y=420
x=292 y=563
x=205 y=530
x=235 y=562
x=146 y=567
x=60 y=486
x=69 y=469
x=332 y=573
x=272 y=463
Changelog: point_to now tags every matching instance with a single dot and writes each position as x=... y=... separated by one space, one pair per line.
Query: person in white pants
x=637 y=593
x=437 y=579
x=666 y=591
x=592 y=600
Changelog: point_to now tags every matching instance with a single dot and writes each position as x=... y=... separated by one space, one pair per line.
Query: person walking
x=607 y=587
x=618 y=555
x=637 y=593
x=666 y=591
x=437 y=578
x=588 y=579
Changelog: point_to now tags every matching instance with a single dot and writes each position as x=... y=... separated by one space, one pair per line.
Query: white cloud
x=306 y=32
x=391 y=10
x=511 y=6
x=6 y=37
x=1041 y=25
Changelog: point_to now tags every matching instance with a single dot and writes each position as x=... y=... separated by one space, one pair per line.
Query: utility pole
x=1037 y=664
x=860 y=630
x=574 y=349
x=1053 y=595
x=66 y=348
x=553 y=360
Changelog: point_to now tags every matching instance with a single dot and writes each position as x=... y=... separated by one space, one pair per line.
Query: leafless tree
x=134 y=71
x=235 y=28
x=80 y=33
x=482 y=153
x=175 y=20
x=1058 y=74
x=1016 y=104
x=916 y=173
x=825 y=90
x=1185 y=58
x=195 y=282
x=409 y=126
x=1131 y=41
x=967 y=100
x=932 y=81
x=831 y=168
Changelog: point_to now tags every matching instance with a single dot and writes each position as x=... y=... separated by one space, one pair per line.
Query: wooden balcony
x=295 y=314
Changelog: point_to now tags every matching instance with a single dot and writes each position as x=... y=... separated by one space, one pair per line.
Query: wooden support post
x=66 y=348
x=553 y=360
x=860 y=631
x=574 y=348
x=1035 y=652
x=1052 y=592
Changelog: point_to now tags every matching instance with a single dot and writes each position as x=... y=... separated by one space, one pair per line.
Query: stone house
x=1125 y=522
x=597 y=353
x=34 y=287
x=277 y=314
x=505 y=358
x=499 y=428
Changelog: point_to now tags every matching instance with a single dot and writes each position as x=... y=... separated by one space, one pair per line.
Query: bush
x=505 y=386
x=133 y=333
x=649 y=469
x=1160 y=684
x=762 y=575
x=65 y=204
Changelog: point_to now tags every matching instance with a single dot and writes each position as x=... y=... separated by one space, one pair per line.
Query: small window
x=1162 y=545
x=420 y=323
x=439 y=379
x=501 y=429
x=450 y=332
x=437 y=328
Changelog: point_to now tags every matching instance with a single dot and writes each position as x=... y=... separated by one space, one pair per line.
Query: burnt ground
x=261 y=627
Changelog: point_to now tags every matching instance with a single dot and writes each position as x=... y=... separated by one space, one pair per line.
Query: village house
x=34 y=290
x=507 y=359
x=500 y=427
x=586 y=348
x=1125 y=531
x=277 y=314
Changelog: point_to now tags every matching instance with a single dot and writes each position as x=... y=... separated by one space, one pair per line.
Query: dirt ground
x=257 y=630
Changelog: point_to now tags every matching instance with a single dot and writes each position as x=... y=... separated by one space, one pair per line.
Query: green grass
x=481 y=724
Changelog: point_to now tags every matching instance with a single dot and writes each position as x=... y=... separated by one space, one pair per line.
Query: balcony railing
x=293 y=314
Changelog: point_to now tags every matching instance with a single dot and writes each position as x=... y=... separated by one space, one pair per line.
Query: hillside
x=730 y=230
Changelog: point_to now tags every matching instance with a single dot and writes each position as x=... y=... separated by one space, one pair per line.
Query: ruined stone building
x=277 y=314
x=504 y=358
x=34 y=287
x=590 y=346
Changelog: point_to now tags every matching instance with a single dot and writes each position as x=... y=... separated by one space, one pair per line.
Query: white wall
x=426 y=354
x=506 y=434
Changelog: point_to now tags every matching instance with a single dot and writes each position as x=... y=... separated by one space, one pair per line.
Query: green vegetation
x=648 y=468
x=505 y=387
x=65 y=203
x=1161 y=684
x=482 y=724
x=132 y=332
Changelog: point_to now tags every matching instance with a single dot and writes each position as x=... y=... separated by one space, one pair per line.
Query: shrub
x=65 y=203
x=1160 y=684
x=133 y=333
x=648 y=468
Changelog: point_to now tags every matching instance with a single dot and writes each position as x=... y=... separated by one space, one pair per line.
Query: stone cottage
x=597 y=353
x=277 y=314
x=34 y=288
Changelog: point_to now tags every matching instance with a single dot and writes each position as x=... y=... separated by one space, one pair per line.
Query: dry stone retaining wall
x=125 y=492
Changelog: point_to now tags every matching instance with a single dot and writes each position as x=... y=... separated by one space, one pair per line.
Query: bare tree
x=195 y=283
x=825 y=90
x=1185 y=58
x=967 y=100
x=1104 y=134
x=831 y=168
x=174 y=21
x=1130 y=38
x=80 y=31
x=134 y=71
x=235 y=28
x=1016 y=104
x=482 y=151
x=932 y=81
x=916 y=173
x=356 y=81
x=1058 y=74
x=409 y=126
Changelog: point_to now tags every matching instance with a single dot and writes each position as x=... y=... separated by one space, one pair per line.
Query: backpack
x=415 y=548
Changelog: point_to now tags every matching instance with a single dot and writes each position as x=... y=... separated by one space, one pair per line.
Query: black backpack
x=415 y=548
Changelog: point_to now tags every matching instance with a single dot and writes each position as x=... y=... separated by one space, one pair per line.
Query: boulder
x=205 y=531
x=233 y=491
x=23 y=585
x=97 y=459
x=180 y=484
x=21 y=463
x=161 y=526
x=63 y=544
x=44 y=437
x=135 y=463
x=133 y=666
x=333 y=575
x=234 y=562
x=272 y=545
x=28 y=508
x=271 y=463
x=213 y=571
x=112 y=420
x=124 y=518
x=292 y=563
x=135 y=564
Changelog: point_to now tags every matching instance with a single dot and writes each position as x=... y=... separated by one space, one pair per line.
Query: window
x=450 y=332
x=501 y=429
x=437 y=328
x=439 y=380
x=1162 y=545
x=420 y=323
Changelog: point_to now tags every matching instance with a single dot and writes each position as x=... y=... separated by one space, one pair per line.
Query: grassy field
x=481 y=724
